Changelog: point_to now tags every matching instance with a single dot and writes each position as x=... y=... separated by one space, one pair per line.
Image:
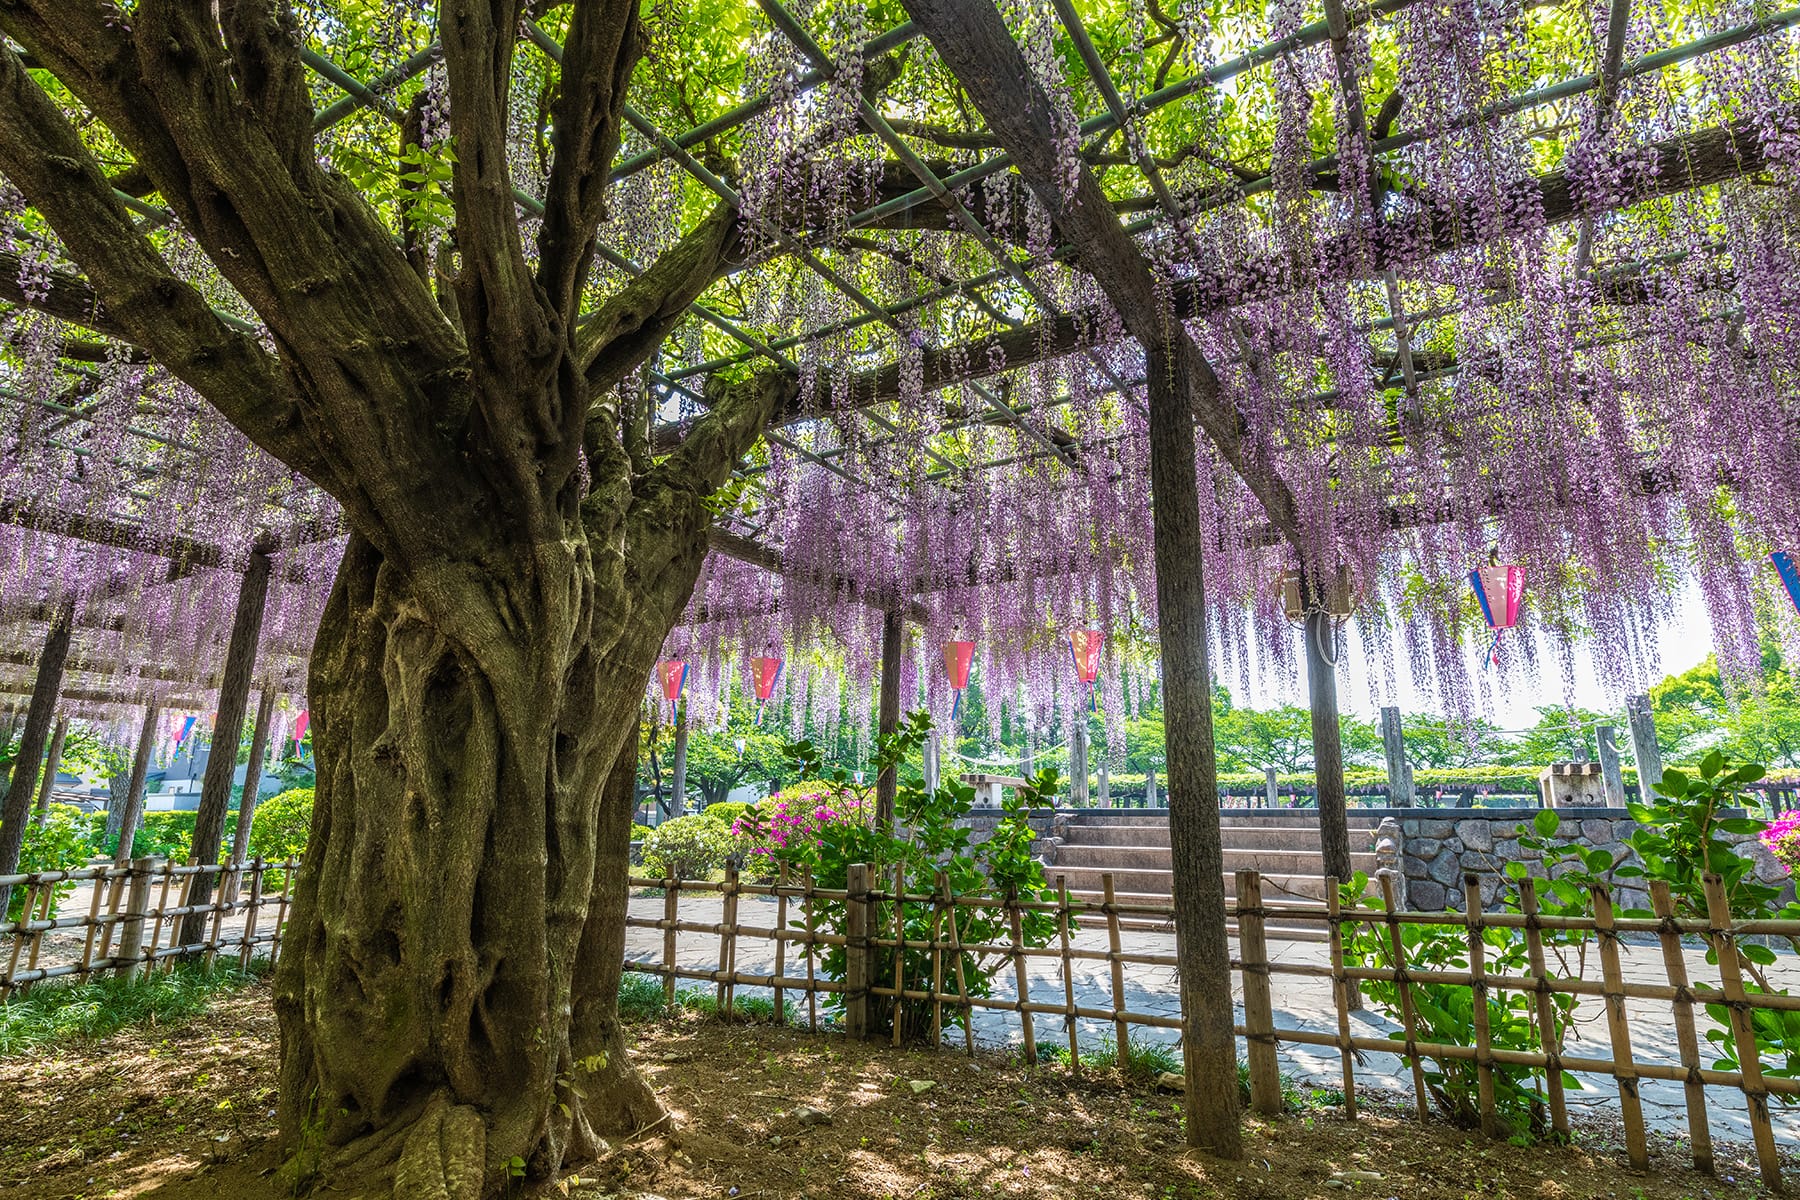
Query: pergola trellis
x=1146 y=281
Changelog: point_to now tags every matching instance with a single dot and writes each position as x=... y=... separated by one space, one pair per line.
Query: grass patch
x=59 y=1012
x=641 y=999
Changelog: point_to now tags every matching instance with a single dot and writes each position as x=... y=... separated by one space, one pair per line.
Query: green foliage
x=280 y=826
x=1445 y=1013
x=690 y=847
x=929 y=851
x=63 y=842
x=54 y=1013
x=728 y=811
x=1680 y=838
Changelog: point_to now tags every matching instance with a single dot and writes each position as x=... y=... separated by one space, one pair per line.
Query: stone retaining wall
x=1434 y=849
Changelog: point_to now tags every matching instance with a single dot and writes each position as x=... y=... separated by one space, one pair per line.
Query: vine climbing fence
x=847 y=955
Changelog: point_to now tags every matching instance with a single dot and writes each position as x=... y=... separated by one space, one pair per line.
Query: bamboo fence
x=873 y=925
x=133 y=917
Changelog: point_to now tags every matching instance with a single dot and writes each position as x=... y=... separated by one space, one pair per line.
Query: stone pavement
x=1300 y=1003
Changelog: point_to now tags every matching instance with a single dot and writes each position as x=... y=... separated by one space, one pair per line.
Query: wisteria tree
x=457 y=322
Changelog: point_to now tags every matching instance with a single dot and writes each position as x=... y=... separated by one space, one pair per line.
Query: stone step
x=1248 y=816
x=1134 y=858
x=1160 y=884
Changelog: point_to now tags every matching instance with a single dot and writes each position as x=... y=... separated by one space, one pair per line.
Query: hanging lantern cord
x=1328 y=653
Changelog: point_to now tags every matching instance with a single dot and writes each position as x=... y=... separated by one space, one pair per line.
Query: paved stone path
x=1300 y=1003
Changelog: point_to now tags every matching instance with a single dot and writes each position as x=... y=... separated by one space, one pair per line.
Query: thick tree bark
x=15 y=809
x=893 y=644
x=228 y=731
x=52 y=764
x=1209 y=1045
x=134 y=791
x=1328 y=744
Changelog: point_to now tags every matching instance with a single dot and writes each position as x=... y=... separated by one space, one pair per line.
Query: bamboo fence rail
x=133 y=917
x=875 y=931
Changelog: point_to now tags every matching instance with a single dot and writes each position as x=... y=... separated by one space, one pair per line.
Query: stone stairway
x=1133 y=845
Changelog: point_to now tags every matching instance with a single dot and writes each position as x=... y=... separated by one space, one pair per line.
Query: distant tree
x=1434 y=743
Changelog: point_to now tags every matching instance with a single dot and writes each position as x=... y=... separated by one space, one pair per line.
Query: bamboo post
x=956 y=958
x=116 y=890
x=1699 y=1134
x=93 y=929
x=1549 y=1032
x=856 y=952
x=131 y=928
x=812 y=983
x=288 y=868
x=671 y=913
x=899 y=949
x=18 y=946
x=219 y=905
x=726 y=994
x=781 y=929
x=1478 y=985
x=1340 y=992
x=46 y=911
x=162 y=907
x=1259 y=1009
x=1121 y=1031
x=1407 y=1018
x=937 y=966
x=1631 y=1108
x=1070 y=1021
x=251 y=911
x=1021 y=978
x=1731 y=982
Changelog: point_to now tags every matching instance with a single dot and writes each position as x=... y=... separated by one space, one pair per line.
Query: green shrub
x=727 y=811
x=639 y=832
x=281 y=825
x=690 y=847
x=63 y=842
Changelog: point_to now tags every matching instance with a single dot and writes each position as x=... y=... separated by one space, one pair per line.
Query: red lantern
x=957 y=657
x=764 y=672
x=1499 y=589
x=674 y=677
x=1084 y=645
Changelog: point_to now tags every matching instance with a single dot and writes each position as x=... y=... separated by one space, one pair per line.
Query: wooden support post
x=899 y=953
x=781 y=940
x=228 y=730
x=812 y=961
x=671 y=914
x=52 y=764
x=134 y=791
x=937 y=964
x=1731 y=982
x=956 y=958
x=1327 y=735
x=259 y=748
x=1408 y=1020
x=678 y=789
x=1605 y=736
x=1340 y=992
x=893 y=648
x=1393 y=745
x=931 y=763
x=1643 y=744
x=857 y=973
x=1150 y=787
x=1259 y=1006
x=1631 y=1108
x=1105 y=788
x=1070 y=1021
x=15 y=808
x=252 y=909
x=727 y=988
x=1549 y=1031
x=1114 y=955
x=1271 y=787
x=93 y=929
x=1078 y=760
x=1662 y=902
x=131 y=925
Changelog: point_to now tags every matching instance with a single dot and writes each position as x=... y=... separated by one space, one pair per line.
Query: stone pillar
x=1078 y=761
x=1399 y=771
x=1605 y=737
x=932 y=765
x=1643 y=744
x=52 y=764
x=1150 y=787
x=1105 y=788
x=1271 y=787
x=15 y=808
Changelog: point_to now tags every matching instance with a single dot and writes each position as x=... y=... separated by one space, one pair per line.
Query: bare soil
x=185 y=1113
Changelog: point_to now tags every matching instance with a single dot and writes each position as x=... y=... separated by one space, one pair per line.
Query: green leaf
x=1762 y=956
x=1674 y=783
x=1598 y=861
x=1546 y=821
x=1711 y=765
x=1743 y=825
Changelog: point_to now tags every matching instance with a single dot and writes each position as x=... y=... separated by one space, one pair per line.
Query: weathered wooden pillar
x=134 y=791
x=259 y=747
x=1150 y=787
x=1643 y=744
x=1393 y=745
x=1327 y=736
x=52 y=764
x=893 y=645
x=228 y=730
x=15 y=809
x=1271 y=787
x=1105 y=788
x=933 y=765
x=1078 y=761
x=1196 y=847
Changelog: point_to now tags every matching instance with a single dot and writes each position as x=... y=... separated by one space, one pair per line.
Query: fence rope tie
x=1684 y=995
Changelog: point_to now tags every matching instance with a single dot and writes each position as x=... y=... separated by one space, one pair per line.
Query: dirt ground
x=186 y=1113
